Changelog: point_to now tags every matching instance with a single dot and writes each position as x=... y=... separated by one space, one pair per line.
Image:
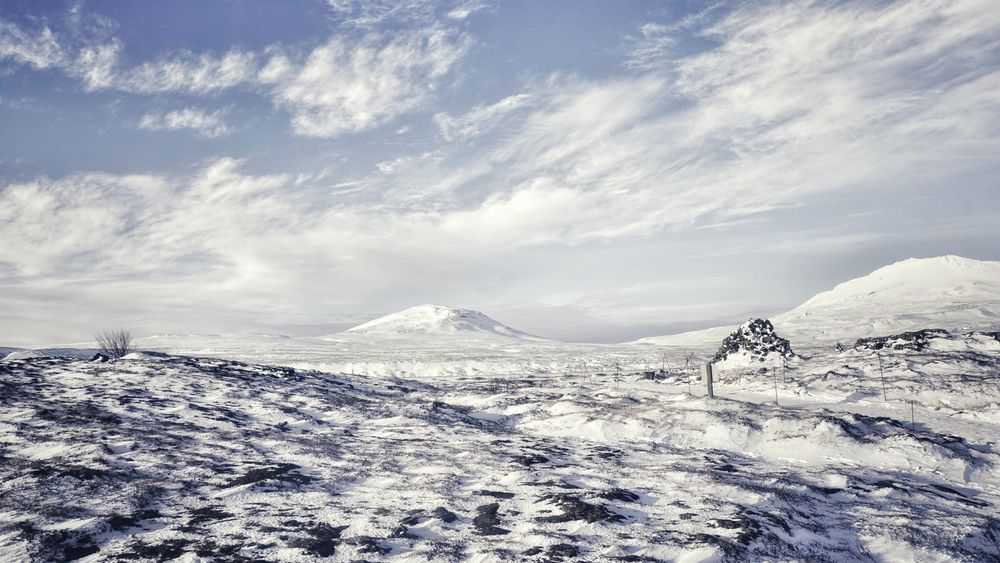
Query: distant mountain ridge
x=437 y=320
x=949 y=292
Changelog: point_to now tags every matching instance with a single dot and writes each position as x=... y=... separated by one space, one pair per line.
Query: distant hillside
x=948 y=292
x=437 y=320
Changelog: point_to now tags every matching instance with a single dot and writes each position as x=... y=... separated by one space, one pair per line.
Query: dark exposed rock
x=207 y=514
x=556 y=552
x=620 y=495
x=487 y=522
x=756 y=337
x=916 y=340
x=403 y=529
x=323 y=539
x=120 y=522
x=530 y=459
x=280 y=472
x=575 y=508
x=99 y=357
x=560 y=550
x=74 y=552
x=496 y=494
x=444 y=515
x=368 y=544
x=164 y=551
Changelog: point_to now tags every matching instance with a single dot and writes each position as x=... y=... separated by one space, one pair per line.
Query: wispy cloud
x=95 y=65
x=204 y=123
x=372 y=14
x=651 y=47
x=349 y=83
x=194 y=73
x=479 y=119
x=345 y=86
x=38 y=48
x=465 y=9
x=792 y=101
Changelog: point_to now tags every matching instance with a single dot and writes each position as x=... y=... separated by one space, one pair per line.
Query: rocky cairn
x=755 y=338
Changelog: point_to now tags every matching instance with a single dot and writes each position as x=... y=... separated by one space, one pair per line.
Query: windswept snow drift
x=947 y=292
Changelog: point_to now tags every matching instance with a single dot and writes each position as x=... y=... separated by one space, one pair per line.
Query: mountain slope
x=437 y=320
x=948 y=292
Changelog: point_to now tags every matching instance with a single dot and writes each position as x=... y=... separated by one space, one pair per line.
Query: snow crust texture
x=157 y=457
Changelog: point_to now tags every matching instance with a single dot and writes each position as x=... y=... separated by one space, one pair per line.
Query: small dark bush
x=115 y=343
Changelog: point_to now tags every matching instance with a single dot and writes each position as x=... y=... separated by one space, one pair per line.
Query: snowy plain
x=441 y=435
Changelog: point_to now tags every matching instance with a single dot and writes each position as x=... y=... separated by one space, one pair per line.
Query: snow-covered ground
x=440 y=434
x=157 y=457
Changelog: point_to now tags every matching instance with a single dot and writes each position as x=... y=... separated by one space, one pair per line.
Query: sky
x=582 y=170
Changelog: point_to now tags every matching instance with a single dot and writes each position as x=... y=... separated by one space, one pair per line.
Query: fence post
x=775 y=386
x=706 y=372
x=881 y=375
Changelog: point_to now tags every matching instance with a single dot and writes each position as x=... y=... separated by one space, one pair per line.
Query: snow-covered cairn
x=755 y=340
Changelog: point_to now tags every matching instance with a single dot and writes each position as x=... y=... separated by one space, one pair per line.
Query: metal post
x=882 y=375
x=706 y=372
x=775 y=387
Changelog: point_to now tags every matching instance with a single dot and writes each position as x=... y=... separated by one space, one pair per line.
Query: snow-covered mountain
x=949 y=292
x=437 y=320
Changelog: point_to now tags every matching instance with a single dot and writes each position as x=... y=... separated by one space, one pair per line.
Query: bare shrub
x=115 y=343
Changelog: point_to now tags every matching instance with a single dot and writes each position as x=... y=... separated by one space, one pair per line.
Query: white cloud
x=793 y=101
x=346 y=86
x=188 y=72
x=652 y=47
x=353 y=82
x=38 y=48
x=74 y=223
x=463 y=11
x=370 y=14
x=479 y=119
x=96 y=64
x=204 y=123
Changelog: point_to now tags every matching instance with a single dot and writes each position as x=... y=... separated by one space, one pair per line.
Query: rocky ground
x=159 y=457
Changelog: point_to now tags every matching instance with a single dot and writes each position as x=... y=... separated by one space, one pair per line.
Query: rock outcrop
x=754 y=340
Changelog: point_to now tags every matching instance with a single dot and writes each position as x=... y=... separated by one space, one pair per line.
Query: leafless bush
x=115 y=343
